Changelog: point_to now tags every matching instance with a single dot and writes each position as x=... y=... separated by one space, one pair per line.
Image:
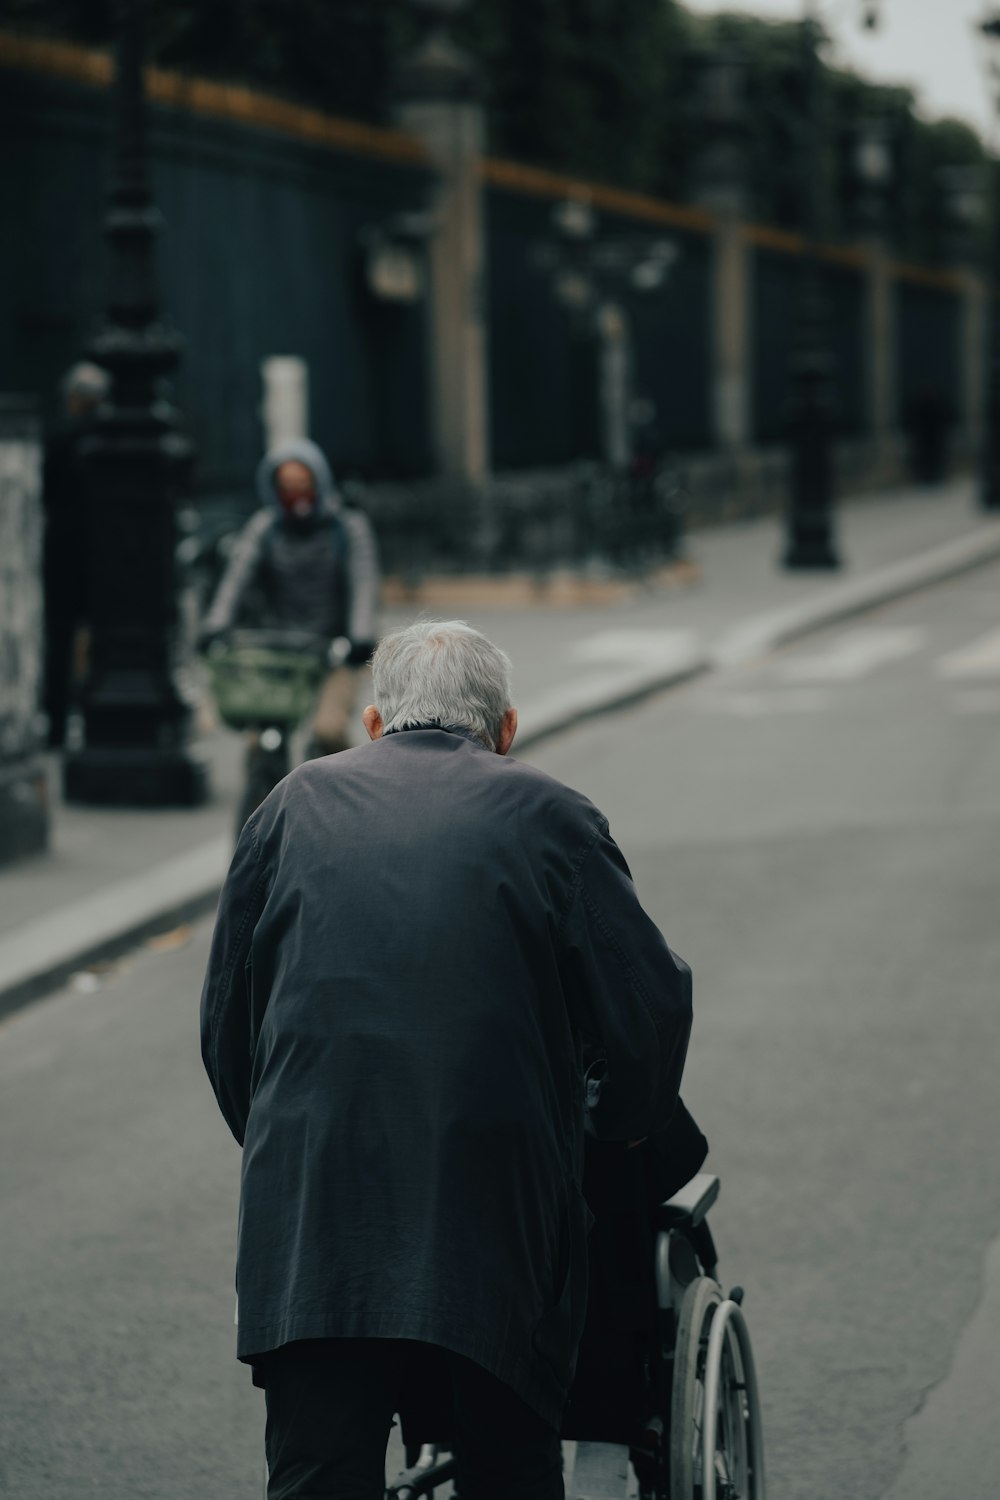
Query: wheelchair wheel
x=732 y=1437
x=716 y=1445
x=687 y=1402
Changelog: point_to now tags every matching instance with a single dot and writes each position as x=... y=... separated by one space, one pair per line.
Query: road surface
x=818 y=834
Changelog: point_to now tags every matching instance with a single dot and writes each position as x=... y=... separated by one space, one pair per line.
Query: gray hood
x=304 y=452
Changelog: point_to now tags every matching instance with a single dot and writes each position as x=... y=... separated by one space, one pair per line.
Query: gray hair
x=85 y=379
x=442 y=672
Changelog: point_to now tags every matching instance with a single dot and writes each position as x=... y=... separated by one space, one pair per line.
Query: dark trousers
x=330 y=1405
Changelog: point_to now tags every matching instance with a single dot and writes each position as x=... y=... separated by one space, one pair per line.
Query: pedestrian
x=304 y=562
x=67 y=541
x=430 y=967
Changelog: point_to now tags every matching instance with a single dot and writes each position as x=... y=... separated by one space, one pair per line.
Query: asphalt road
x=817 y=834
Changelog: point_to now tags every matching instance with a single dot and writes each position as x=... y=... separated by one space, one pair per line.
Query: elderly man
x=429 y=968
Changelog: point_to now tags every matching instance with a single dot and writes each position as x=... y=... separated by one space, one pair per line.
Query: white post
x=284 y=410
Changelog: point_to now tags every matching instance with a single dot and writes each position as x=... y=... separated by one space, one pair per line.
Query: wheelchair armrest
x=689 y=1206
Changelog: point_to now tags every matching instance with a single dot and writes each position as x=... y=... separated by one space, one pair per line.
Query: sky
x=930 y=46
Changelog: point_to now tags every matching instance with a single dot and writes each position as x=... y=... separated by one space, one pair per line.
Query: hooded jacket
x=318 y=576
x=417 y=943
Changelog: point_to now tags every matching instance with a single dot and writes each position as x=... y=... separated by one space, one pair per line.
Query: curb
x=188 y=886
x=762 y=634
x=566 y=710
x=108 y=924
x=765 y=633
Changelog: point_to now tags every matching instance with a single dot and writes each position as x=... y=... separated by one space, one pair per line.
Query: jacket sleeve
x=630 y=999
x=226 y=1033
x=240 y=575
x=364 y=579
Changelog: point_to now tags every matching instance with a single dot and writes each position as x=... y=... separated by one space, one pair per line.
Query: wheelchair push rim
x=716 y=1449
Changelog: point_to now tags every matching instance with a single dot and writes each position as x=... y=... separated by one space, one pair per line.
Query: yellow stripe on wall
x=246 y=106
x=219 y=101
x=539 y=183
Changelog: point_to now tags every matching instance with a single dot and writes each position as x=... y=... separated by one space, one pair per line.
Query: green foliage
x=585 y=86
x=611 y=90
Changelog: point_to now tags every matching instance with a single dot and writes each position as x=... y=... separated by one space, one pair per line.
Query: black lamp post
x=136 y=724
x=809 y=537
x=989 y=493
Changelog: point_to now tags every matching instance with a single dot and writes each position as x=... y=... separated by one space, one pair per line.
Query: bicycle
x=266 y=683
x=704 y=1439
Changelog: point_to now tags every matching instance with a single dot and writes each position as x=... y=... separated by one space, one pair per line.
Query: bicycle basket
x=255 y=685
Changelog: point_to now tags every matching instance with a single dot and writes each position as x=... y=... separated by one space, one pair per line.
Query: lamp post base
x=135 y=777
x=989 y=492
x=810 y=544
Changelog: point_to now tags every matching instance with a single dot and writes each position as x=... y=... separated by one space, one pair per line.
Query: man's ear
x=372 y=720
x=508 y=729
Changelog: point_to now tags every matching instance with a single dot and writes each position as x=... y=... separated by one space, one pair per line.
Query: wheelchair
x=702 y=1438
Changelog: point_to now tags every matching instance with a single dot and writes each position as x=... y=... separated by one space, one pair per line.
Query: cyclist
x=305 y=562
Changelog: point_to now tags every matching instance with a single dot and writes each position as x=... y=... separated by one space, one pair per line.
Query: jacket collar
x=459 y=729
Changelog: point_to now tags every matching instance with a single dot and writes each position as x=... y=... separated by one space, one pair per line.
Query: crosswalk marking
x=980 y=658
x=853 y=654
x=977 y=701
x=758 y=705
x=633 y=647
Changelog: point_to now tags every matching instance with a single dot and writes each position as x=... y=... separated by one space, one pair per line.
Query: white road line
x=980 y=658
x=854 y=654
x=984 y=701
x=765 y=705
x=634 y=647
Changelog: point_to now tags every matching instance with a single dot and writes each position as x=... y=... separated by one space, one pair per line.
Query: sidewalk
x=115 y=876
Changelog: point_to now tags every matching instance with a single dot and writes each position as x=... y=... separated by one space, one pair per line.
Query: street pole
x=136 y=724
x=809 y=536
x=990 y=486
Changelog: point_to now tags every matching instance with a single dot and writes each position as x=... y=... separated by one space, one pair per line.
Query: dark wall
x=540 y=360
x=775 y=282
x=671 y=330
x=259 y=255
x=928 y=356
x=543 y=370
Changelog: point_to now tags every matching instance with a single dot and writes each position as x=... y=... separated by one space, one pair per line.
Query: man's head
x=445 y=673
x=294 y=478
x=296 y=487
x=82 y=388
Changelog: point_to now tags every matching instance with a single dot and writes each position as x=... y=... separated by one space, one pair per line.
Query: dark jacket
x=415 y=941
